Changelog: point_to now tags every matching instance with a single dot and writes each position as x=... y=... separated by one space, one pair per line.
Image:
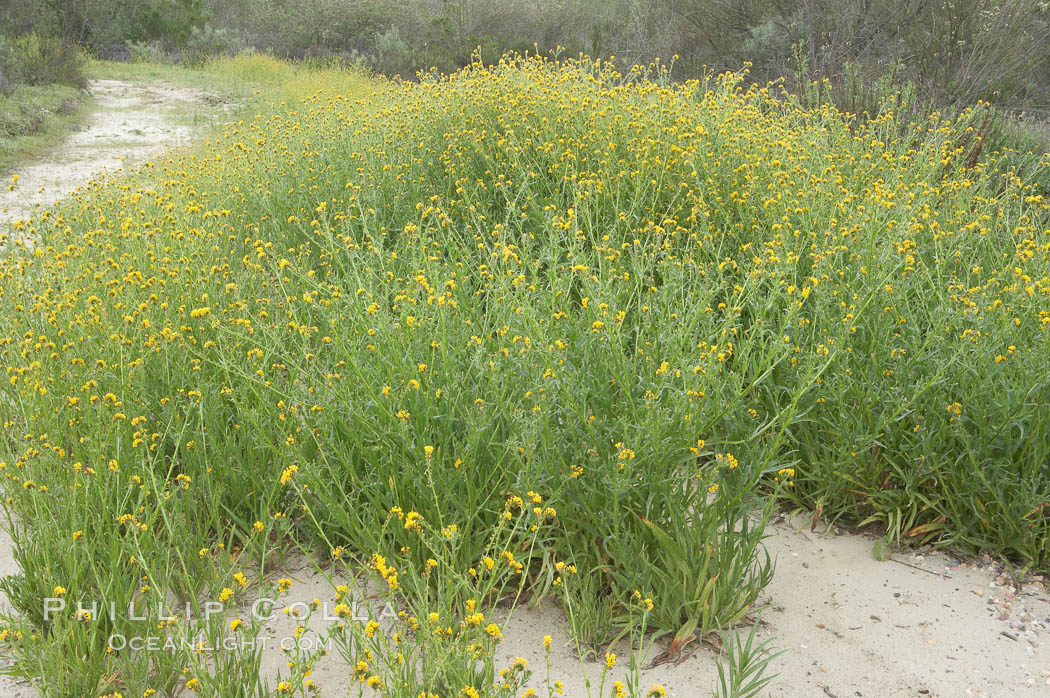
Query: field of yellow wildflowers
x=536 y=328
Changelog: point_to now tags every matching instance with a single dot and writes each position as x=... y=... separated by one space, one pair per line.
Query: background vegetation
x=954 y=52
x=931 y=56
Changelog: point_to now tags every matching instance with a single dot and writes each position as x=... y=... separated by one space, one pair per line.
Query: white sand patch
x=919 y=624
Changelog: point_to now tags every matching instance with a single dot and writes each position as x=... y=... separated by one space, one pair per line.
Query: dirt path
x=132 y=122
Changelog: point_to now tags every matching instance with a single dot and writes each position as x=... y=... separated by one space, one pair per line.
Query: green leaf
x=882 y=549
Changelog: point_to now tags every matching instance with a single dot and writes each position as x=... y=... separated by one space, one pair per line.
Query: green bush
x=146 y=52
x=207 y=41
x=393 y=55
x=35 y=59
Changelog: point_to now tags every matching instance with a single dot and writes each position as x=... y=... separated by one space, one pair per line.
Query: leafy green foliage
x=36 y=59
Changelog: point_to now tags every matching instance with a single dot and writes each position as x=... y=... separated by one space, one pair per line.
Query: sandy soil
x=916 y=625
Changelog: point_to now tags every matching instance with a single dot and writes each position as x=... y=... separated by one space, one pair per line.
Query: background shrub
x=952 y=54
x=146 y=52
x=35 y=59
x=208 y=41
